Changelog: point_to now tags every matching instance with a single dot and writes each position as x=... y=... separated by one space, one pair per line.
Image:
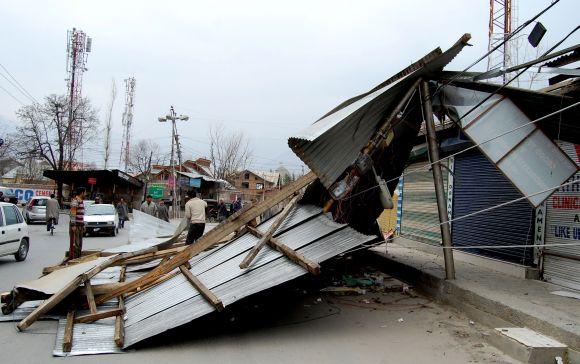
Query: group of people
x=159 y=210
x=195 y=213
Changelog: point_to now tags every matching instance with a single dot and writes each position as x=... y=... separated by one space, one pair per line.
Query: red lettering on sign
x=566 y=202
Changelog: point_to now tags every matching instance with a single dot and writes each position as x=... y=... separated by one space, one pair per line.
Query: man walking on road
x=195 y=213
x=123 y=211
x=149 y=207
x=162 y=211
x=77 y=224
x=52 y=210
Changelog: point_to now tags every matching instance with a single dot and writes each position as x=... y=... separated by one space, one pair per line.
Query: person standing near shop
x=195 y=214
x=77 y=224
x=149 y=207
x=123 y=211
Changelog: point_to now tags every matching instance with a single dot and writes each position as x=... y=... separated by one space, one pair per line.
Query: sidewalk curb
x=489 y=312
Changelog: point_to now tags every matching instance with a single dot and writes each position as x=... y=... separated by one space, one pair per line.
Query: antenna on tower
x=501 y=17
x=77 y=49
x=127 y=120
x=108 y=127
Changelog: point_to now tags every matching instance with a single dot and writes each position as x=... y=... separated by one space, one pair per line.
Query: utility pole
x=109 y=125
x=172 y=116
x=501 y=16
x=438 y=180
x=127 y=121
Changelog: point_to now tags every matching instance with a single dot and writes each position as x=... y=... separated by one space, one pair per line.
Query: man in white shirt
x=195 y=214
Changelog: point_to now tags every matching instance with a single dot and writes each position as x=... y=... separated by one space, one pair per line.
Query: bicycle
x=51 y=222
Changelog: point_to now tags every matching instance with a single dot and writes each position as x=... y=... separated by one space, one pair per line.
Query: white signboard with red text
x=562 y=226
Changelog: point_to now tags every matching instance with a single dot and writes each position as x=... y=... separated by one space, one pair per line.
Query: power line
x=9 y=94
x=20 y=88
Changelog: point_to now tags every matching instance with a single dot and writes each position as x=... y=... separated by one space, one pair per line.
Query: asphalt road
x=292 y=323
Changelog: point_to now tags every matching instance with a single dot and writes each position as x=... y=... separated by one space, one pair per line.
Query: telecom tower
x=127 y=121
x=77 y=52
x=501 y=17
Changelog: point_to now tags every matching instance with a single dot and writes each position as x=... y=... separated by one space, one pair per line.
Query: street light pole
x=174 y=139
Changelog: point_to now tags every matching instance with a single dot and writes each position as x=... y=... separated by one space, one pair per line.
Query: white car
x=36 y=209
x=101 y=218
x=14 y=235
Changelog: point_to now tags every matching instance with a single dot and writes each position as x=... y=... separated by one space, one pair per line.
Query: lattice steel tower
x=78 y=47
x=501 y=17
x=124 y=158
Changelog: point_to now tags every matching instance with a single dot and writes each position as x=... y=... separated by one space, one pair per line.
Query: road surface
x=292 y=323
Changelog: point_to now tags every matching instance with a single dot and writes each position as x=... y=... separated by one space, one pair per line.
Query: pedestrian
x=162 y=211
x=98 y=200
x=149 y=207
x=238 y=204
x=77 y=224
x=195 y=214
x=222 y=210
x=123 y=211
x=52 y=210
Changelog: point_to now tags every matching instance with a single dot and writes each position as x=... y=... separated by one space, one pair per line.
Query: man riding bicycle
x=52 y=210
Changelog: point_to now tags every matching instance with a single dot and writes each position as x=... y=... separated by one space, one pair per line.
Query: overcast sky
x=268 y=68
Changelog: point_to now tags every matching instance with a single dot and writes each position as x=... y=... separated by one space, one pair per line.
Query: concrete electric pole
x=172 y=116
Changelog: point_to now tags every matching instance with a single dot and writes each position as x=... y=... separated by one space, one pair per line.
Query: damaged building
x=108 y=301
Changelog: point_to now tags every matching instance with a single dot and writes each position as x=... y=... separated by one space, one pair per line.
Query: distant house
x=256 y=184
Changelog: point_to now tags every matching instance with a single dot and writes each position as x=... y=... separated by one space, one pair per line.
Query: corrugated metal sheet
x=562 y=226
x=176 y=302
x=420 y=216
x=479 y=185
x=334 y=142
x=94 y=338
x=277 y=271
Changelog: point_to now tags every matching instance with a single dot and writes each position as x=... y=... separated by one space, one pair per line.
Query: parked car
x=7 y=195
x=101 y=218
x=14 y=236
x=35 y=210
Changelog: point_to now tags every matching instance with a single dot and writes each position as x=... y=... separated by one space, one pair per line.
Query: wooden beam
x=119 y=324
x=91 y=317
x=290 y=253
x=295 y=256
x=90 y=296
x=215 y=235
x=268 y=234
x=202 y=289
x=68 y=332
x=49 y=303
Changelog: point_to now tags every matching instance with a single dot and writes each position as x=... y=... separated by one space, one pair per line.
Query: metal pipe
x=438 y=179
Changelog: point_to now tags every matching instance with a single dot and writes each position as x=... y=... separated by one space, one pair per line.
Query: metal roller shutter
x=479 y=185
x=419 y=205
x=561 y=264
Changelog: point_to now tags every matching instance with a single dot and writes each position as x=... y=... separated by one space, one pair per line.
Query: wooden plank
x=91 y=317
x=295 y=256
x=68 y=332
x=215 y=235
x=268 y=234
x=73 y=285
x=290 y=253
x=202 y=289
x=90 y=296
x=120 y=325
x=119 y=322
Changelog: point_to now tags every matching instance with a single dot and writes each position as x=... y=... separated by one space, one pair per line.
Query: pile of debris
x=106 y=301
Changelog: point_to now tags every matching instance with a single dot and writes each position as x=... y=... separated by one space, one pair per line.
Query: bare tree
x=144 y=156
x=46 y=131
x=32 y=169
x=229 y=152
x=7 y=153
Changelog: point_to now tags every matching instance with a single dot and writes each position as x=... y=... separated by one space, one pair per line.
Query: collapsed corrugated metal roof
x=333 y=143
